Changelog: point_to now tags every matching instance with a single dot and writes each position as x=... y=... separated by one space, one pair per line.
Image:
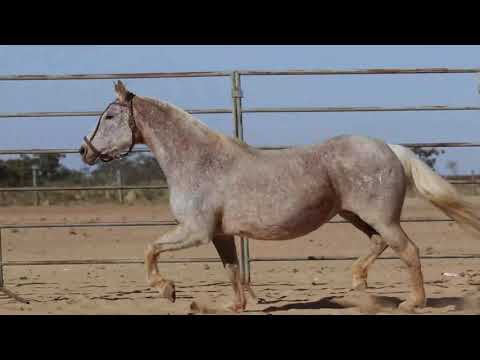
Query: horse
x=220 y=187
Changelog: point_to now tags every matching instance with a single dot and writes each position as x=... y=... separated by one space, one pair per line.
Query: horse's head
x=116 y=131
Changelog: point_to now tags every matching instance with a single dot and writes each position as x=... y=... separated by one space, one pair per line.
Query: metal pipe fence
x=318 y=109
x=237 y=110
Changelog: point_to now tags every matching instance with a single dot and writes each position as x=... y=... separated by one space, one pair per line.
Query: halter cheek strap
x=92 y=148
x=131 y=123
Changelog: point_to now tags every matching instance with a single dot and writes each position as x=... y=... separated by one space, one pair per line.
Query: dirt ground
x=300 y=287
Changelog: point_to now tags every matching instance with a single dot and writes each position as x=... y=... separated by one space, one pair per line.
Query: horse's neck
x=177 y=139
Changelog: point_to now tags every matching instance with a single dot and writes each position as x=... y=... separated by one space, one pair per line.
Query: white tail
x=437 y=190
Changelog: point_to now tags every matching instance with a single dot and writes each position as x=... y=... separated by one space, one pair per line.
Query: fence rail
x=317 y=109
x=214 y=260
x=54 y=151
x=263 y=147
x=166 y=223
x=96 y=113
x=165 y=187
x=82 y=188
x=145 y=187
x=237 y=111
x=154 y=75
x=159 y=75
x=89 y=225
x=371 y=71
x=320 y=109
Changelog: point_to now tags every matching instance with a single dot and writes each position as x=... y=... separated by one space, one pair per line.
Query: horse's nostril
x=81 y=150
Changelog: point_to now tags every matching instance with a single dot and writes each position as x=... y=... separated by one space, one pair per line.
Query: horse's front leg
x=225 y=245
x=181 y=237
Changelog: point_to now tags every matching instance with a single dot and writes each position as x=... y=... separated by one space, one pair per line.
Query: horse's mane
x=168 y=107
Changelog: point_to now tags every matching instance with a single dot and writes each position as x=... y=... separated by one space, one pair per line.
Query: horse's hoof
x=406 y=306
x=410 y=306
x=194 y=307
x=236 y=308
x=168 y=291
x=359 y=285
x=251 y=293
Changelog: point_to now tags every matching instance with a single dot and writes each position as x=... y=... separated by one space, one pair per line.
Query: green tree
x=49 y=166
x=138 y=169
x=18 y=172
x=428 y=155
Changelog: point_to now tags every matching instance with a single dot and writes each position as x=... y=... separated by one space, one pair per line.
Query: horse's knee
x=149 y=250
x=201 y=240
x=378 y=242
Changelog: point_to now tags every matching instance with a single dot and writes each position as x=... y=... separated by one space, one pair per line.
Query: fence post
x=1 y=261
x=473 y=183
x=119 y=183
x=238 y=124
x=34 y=180
x=2 y=282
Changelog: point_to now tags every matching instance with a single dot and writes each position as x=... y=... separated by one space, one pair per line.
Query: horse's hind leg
x=360 y=267
x=225 y=245
x=408 y=252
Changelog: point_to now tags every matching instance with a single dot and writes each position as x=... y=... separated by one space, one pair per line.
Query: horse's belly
x=279 y=222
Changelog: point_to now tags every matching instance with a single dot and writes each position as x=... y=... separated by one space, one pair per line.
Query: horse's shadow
x=374 y=304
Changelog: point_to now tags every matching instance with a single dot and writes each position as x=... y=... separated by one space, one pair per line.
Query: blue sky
x=265 y=129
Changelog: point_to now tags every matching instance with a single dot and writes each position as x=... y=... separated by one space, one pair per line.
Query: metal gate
x=237 y=112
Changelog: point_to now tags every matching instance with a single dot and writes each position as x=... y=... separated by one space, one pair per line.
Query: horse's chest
x=201 y=203
x=184 y=204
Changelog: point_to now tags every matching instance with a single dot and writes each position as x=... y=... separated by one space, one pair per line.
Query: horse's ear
x=121 y=91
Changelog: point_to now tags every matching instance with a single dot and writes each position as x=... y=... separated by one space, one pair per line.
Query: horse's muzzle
x=87 y=155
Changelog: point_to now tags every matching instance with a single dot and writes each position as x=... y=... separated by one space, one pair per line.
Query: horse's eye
x=108 y=117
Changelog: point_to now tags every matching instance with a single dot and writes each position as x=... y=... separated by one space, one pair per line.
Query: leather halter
x=131 y=124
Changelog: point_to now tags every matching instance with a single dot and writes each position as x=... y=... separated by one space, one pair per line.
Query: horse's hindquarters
x=368 y=178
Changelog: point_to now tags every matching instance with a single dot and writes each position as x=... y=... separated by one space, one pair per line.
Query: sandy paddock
x=306 y=287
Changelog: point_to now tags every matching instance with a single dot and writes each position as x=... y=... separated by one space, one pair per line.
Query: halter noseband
x=131 y=123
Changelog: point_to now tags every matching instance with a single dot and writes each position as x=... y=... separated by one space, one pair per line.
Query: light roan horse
x=221 y=187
